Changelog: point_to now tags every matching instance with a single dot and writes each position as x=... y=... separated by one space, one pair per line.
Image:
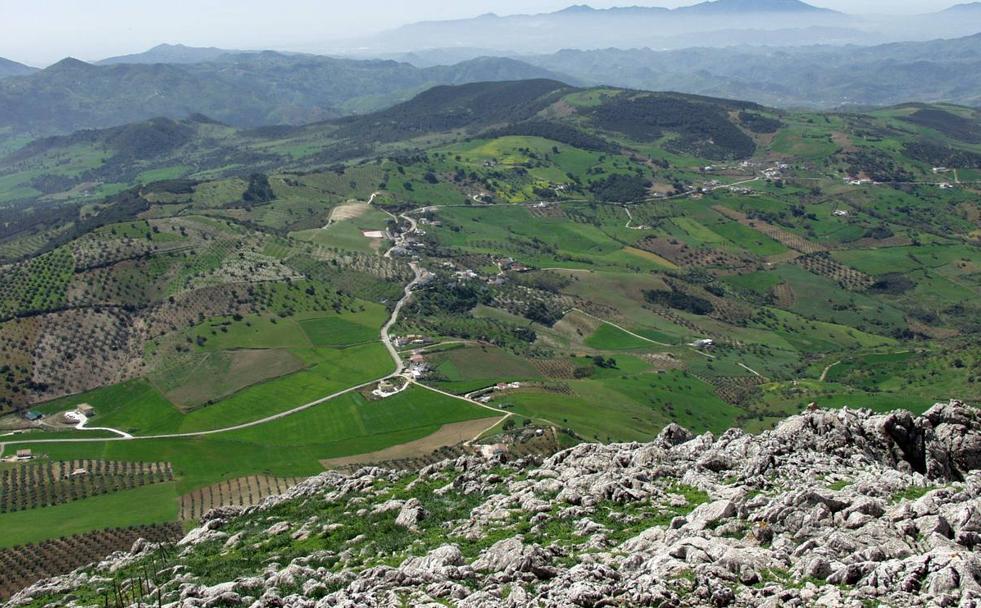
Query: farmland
x=37 y=485
x=582 y=278
x=20 y=566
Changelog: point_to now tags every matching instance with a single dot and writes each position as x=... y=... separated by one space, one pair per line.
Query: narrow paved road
x=385 y=337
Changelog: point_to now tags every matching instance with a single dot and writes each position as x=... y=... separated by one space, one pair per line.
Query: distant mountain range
x=750 y=6
x=713 y=23
x=704 y=8
x=969 y=7
x=10 y=68
x=253 y=88
x=813 y=76
x=243 y=89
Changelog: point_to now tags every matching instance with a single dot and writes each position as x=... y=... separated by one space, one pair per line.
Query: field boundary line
x=749 y=369
x=623 y=329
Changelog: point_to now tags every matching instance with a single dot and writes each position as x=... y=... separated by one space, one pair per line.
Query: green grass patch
x=152 y=504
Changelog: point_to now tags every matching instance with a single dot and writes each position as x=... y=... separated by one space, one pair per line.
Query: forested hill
x=245 y=90
x=705 y=127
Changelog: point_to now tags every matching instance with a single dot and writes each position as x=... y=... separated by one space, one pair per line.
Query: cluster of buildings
x=486 y=394
x=418 y=367
x=510 y=265
x=412 y=340
x=387 y=388
x=80 y=414
x=775 y=172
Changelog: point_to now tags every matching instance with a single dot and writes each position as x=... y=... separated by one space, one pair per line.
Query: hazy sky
x=39 y=32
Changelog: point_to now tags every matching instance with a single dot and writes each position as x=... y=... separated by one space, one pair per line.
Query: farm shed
x=86 y=410
x=33 y=416
x=24 y=454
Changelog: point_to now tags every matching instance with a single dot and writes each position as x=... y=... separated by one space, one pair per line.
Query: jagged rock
x=955 y=444
x=411 y=514
x=434 y=562
x=673 y=435
x=710 y=514
x=819 y=499
x=511 y=556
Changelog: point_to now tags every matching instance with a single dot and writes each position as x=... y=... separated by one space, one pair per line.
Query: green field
x=608 y=337
x=618 y=406
x=150 y=504
x=137 y=407
x=291 y=446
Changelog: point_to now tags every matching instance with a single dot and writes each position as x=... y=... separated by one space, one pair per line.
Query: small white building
x=703 y=343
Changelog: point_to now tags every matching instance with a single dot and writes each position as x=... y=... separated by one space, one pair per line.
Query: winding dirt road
x=385 y=338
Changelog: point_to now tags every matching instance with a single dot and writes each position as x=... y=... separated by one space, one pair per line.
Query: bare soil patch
x=348 y=211
x=447 y=435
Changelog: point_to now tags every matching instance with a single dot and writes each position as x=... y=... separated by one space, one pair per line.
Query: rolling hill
x=122 y=155
x=245 y=90
x=551 y=264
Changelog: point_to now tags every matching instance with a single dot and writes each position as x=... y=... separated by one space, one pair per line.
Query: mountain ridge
x=171 y=53
x=9 y=68
x=821 y=76
x=246 y=89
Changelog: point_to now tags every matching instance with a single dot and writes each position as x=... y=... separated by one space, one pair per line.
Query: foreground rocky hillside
x=833 y=508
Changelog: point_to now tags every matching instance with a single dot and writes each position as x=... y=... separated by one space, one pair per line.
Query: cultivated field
x=240 y=492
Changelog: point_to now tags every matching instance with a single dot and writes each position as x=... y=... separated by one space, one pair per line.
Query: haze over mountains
x=713 y=23
x=784 y=53
x=819 y=76
x=245 y=90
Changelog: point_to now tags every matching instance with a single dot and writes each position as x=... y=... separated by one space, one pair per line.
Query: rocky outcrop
x=832 y=508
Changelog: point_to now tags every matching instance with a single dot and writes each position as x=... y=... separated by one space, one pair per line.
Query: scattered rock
x=767 y=522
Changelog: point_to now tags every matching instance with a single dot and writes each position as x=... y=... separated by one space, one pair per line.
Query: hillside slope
x=245 y=90
x=122 y=155
x=830 y=509
x=10 y=68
